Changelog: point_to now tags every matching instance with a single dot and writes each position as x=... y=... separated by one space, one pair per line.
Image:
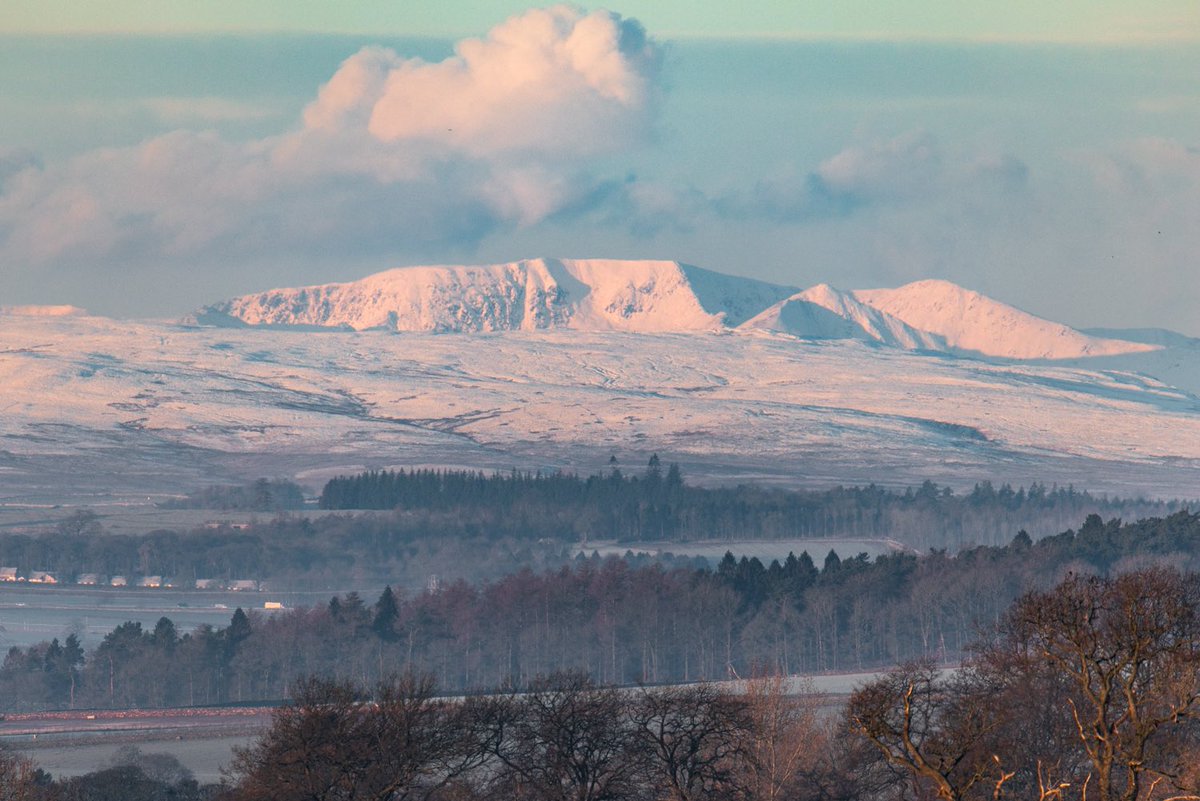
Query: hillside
x=969 y=321
x=107 y=410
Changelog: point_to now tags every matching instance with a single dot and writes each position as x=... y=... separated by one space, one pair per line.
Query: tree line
x=1087 y=689
x=1091 y=686
x=263 y=495
x=618 y=621
x=462 y=525
x=658 y=505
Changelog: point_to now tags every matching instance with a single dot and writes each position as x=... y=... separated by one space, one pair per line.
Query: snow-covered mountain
x=661 y=296
x=822 y=312
x=529 y=295
x=736 y=379
x=969 y=321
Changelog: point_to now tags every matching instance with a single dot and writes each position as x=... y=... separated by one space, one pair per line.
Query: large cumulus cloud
x=550 y=82
x=392 y=153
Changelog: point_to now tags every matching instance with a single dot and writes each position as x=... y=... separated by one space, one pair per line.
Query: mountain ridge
x=656 y=296
x=526 y=295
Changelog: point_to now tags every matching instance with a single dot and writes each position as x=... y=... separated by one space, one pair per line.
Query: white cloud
x=391 y=152
x=548 y=82
x=902 y=167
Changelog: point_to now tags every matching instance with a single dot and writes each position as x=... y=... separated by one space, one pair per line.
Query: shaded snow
x=822 y=312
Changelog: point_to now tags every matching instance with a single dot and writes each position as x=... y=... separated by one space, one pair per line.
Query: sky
x=155 y=157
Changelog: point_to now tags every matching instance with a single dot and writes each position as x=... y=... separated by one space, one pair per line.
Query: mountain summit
x=533 y=294
x=969 y=321
x=663 y=296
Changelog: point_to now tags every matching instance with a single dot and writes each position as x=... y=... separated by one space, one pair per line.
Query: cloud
x=16 y=161
x=911 y=169
x=906 y=166
x=551 y=81
x=392 y=154
x=1138 y=211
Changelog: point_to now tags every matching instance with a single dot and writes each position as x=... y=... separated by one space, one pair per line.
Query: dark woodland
x=461 y=525
x=1089 y=687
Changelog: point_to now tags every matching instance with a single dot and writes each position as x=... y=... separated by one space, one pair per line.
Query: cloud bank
x=392 y=152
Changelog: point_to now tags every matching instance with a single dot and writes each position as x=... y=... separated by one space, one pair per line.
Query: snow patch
x=43 y=311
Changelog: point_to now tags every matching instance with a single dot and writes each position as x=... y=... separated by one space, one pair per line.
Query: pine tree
x=387 y=611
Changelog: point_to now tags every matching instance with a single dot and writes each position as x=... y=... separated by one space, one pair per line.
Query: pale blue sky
x=1047 y=155
x=1021 y=20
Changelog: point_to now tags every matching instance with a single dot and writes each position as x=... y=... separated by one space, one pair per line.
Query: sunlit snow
x=101 y=408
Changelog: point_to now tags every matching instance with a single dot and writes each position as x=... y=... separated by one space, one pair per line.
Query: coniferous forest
x=659 y=505
x=477 y=527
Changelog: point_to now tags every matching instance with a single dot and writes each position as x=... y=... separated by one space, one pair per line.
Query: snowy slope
x=822 y=312
x=973 y=322
x=105 y=408
x=534 y=294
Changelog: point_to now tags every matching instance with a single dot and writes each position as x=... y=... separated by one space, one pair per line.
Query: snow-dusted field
x=103 y=411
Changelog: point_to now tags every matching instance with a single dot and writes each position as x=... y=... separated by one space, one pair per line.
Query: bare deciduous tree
x=696 y=738
x=932 y=726
x=19 y=778
x=332 y=744
x=568 y=739
x=788 y=736
x=1129 y=647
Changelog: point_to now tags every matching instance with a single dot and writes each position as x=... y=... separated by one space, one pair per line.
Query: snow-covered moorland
x=548 y=364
